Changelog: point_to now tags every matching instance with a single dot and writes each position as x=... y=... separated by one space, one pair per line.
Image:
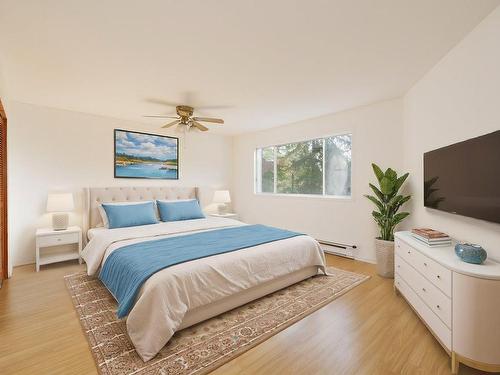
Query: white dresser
x=459 y=302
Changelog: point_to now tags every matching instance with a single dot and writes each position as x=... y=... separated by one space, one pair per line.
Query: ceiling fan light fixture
x=187 y=121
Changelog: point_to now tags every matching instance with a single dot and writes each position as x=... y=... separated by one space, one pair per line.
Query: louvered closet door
x=3 y=193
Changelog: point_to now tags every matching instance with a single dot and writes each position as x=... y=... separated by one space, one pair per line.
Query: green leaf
x=375 y=201
x=391 y=174
x=378 y=172
x=377 y=192
x=404 y=200
x=400 y=181
x=386 y=185
x=379 y=218
x=399 y=217
x=396 y=202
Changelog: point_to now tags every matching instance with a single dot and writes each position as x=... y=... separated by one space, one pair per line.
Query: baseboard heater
x=337 y=248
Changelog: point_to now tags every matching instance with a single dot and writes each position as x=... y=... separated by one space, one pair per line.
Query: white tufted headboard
x=94 y=196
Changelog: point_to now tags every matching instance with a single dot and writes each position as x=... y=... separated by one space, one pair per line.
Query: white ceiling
x=267 y=63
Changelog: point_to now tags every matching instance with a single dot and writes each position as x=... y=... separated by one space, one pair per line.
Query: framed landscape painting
x=142 y=155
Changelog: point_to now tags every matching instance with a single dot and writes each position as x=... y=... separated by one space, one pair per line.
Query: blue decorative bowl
x=471 y=253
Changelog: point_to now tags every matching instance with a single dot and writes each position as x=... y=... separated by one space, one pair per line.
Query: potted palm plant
x=388 y=202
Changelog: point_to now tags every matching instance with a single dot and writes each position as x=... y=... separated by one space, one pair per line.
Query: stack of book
x=431 y=237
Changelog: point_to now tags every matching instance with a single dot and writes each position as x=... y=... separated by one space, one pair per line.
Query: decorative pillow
x=180 y=210
x=130 y=215
x=104 y=217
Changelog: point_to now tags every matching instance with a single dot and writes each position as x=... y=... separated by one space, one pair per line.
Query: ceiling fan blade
x=171 y=124
x=200 y=126
x=161 y=116
x=208 y=119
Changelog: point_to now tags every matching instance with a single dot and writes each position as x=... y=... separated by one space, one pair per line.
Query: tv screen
x=464 y=178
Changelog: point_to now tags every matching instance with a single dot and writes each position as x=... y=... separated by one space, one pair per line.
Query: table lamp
x=223 y=198
x=60 y=204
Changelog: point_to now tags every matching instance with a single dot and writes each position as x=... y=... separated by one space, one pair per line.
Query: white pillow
x=104 y=217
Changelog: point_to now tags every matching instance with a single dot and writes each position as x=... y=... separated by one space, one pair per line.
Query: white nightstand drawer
x=58 y=239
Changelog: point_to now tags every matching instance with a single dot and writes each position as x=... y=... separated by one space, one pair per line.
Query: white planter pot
x=384 y=251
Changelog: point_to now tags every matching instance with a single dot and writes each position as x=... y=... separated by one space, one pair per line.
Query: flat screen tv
x=464 y=178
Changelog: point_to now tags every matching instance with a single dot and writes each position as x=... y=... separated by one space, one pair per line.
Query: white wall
x=458 y=99
x=58 y=150
x=377 y=130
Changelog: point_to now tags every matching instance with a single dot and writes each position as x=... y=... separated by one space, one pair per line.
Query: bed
x=185 y=294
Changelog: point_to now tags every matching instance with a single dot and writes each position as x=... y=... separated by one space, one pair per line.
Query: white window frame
x=258 y=172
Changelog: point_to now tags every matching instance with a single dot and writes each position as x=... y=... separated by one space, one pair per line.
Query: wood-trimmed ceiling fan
x=185 y=118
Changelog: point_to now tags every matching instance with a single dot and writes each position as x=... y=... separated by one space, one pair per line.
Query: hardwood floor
x=369 y=330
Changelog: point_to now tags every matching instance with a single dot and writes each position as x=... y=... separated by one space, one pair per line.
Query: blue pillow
x=184 y=210
x=130 y=215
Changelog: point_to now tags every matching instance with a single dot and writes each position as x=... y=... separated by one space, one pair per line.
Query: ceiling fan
x=185 y=118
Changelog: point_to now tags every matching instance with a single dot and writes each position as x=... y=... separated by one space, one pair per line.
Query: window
x=316 y=167
x=265 y=166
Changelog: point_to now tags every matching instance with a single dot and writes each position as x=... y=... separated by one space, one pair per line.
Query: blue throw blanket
x=127 y=268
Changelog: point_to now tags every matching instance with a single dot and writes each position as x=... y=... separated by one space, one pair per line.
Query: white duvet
x=166 y=296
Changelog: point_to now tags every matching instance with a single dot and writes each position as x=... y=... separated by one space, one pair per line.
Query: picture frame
x=142 y=155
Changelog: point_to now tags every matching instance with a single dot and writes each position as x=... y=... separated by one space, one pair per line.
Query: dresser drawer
x=440 y=330
x=58 y=239
x=433 y=297
x=432 y=270
x=436 y=273
x=406 y=252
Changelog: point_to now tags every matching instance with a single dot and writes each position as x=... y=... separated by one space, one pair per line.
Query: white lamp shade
x=222 y=196
x=60 y=202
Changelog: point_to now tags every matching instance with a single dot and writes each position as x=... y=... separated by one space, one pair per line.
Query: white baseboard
x=24 y=263
x=365 y=260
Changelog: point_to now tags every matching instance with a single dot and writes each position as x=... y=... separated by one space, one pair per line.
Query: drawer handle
x=423 y=290
x=409 y=252
x=59 y=239
x=399 y=266
x=425 y=264
x=439 y=307
x=439 y=277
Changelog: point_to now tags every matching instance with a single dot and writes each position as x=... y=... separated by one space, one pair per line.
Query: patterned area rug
x=201 y=348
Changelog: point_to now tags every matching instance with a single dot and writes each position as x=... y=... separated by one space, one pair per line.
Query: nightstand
x=47 y=237
x=227 y=216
